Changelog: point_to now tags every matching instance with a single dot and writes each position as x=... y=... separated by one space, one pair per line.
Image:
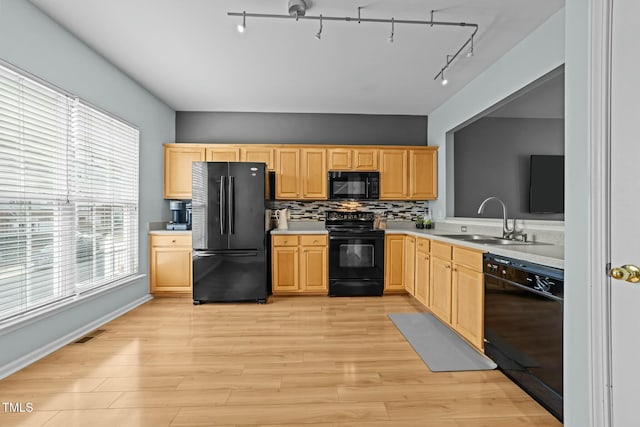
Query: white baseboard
x=49 y=348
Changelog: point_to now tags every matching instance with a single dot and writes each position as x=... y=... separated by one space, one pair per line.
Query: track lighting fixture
x=319 y=34
x=297 y=11
x=444 y=80
x=243 y=26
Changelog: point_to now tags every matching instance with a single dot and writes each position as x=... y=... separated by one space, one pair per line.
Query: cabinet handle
x=173 y=241
x=448 y=266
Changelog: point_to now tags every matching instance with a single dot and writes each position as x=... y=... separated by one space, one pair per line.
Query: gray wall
x=491 y=158
x=300 y=128
x=34 y=42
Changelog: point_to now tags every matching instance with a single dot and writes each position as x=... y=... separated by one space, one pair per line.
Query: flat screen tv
x=546 y=188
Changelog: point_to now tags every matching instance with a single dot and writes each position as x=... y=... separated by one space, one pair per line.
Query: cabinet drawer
x=313 y=240
x=171 y=240
x=441 y=250
x=423 y=245
x=284 y=240
x=468 y=257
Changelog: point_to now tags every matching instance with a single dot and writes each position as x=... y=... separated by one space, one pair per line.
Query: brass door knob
x=628 y=272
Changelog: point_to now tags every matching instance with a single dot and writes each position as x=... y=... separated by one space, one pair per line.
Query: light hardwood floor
x=312 y=361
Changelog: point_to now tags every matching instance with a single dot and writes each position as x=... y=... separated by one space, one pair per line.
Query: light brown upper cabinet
x=301 y=173
x=287 y=173
x=258 y=154
x=347 y=159
x=393 y=174
x=339 y=159
x=423 y=178
x=408 y=174
x=314 y=173
x=223 y=154
x=177 y=169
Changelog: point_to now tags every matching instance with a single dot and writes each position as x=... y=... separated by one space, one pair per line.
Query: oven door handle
x=359 y=236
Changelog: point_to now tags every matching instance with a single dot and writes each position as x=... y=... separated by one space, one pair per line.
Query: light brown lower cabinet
x=456 y=291
x=409 y=264
x=170 y=264
x=422 y=268
x=394 y=263
x=467 y=311
x=299 y=263
x=440 y=287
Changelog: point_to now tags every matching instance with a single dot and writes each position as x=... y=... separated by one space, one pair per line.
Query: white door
x=625 y=213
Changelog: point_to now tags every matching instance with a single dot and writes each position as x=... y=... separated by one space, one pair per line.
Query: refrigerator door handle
x=222 y=201
x=367 y=191
x=231 y=202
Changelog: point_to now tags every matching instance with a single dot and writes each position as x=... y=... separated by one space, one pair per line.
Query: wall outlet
x=463 y=228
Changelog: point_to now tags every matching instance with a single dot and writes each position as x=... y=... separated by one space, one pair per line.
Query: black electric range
x=356 y=254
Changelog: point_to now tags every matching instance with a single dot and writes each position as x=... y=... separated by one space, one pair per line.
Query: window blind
x=68 y=196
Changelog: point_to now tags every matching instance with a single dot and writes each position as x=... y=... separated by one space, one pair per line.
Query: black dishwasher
x=523 y=326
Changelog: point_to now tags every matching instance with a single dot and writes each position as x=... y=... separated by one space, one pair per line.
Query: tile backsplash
x=315 y=211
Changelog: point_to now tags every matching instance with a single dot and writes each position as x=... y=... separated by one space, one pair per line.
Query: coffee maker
x=180 y=215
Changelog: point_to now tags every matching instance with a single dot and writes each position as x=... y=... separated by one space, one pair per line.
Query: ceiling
x=189 y=54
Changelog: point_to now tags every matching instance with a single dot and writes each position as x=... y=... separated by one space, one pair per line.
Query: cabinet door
x=313 y=269
x=422 y=277
x=409 y=263
x=223 y=154
x=423 y=174
x=258 y=154
x=339 y=159
x=394 y=262
x=285 y=269
x=365 y=159
x=393 y=174
x=314 y=173
x=177 y=170
x=468 y=303
x=170 y=270
x=287 y=173
x=440 y=292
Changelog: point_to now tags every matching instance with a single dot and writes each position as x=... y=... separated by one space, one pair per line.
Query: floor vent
x=90 y=336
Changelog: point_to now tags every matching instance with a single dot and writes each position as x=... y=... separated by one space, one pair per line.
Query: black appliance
x=229 y=236
x=546 y=184
x=180 y=215
x=523 y=326
x=356 y=254
x=354 y=185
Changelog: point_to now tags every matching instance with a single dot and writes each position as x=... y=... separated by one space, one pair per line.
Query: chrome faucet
x=507 y=232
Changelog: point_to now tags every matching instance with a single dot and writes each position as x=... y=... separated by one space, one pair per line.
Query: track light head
x=319 y=33
x=392 y=30
x=242 y=27
x=470 y=52
x=443 y=80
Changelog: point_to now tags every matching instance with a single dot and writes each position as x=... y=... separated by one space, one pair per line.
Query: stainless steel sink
x=488 y=240
x=469 y=237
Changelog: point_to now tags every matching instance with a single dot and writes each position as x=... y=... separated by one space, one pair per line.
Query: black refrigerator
x=228 y=229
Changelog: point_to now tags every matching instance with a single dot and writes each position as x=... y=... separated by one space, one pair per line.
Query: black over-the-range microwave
x=354 y=185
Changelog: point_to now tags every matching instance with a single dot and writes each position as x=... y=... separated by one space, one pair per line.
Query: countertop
x=170 y=232
x=550 y=255
x=547 y=254
x=303 y=227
